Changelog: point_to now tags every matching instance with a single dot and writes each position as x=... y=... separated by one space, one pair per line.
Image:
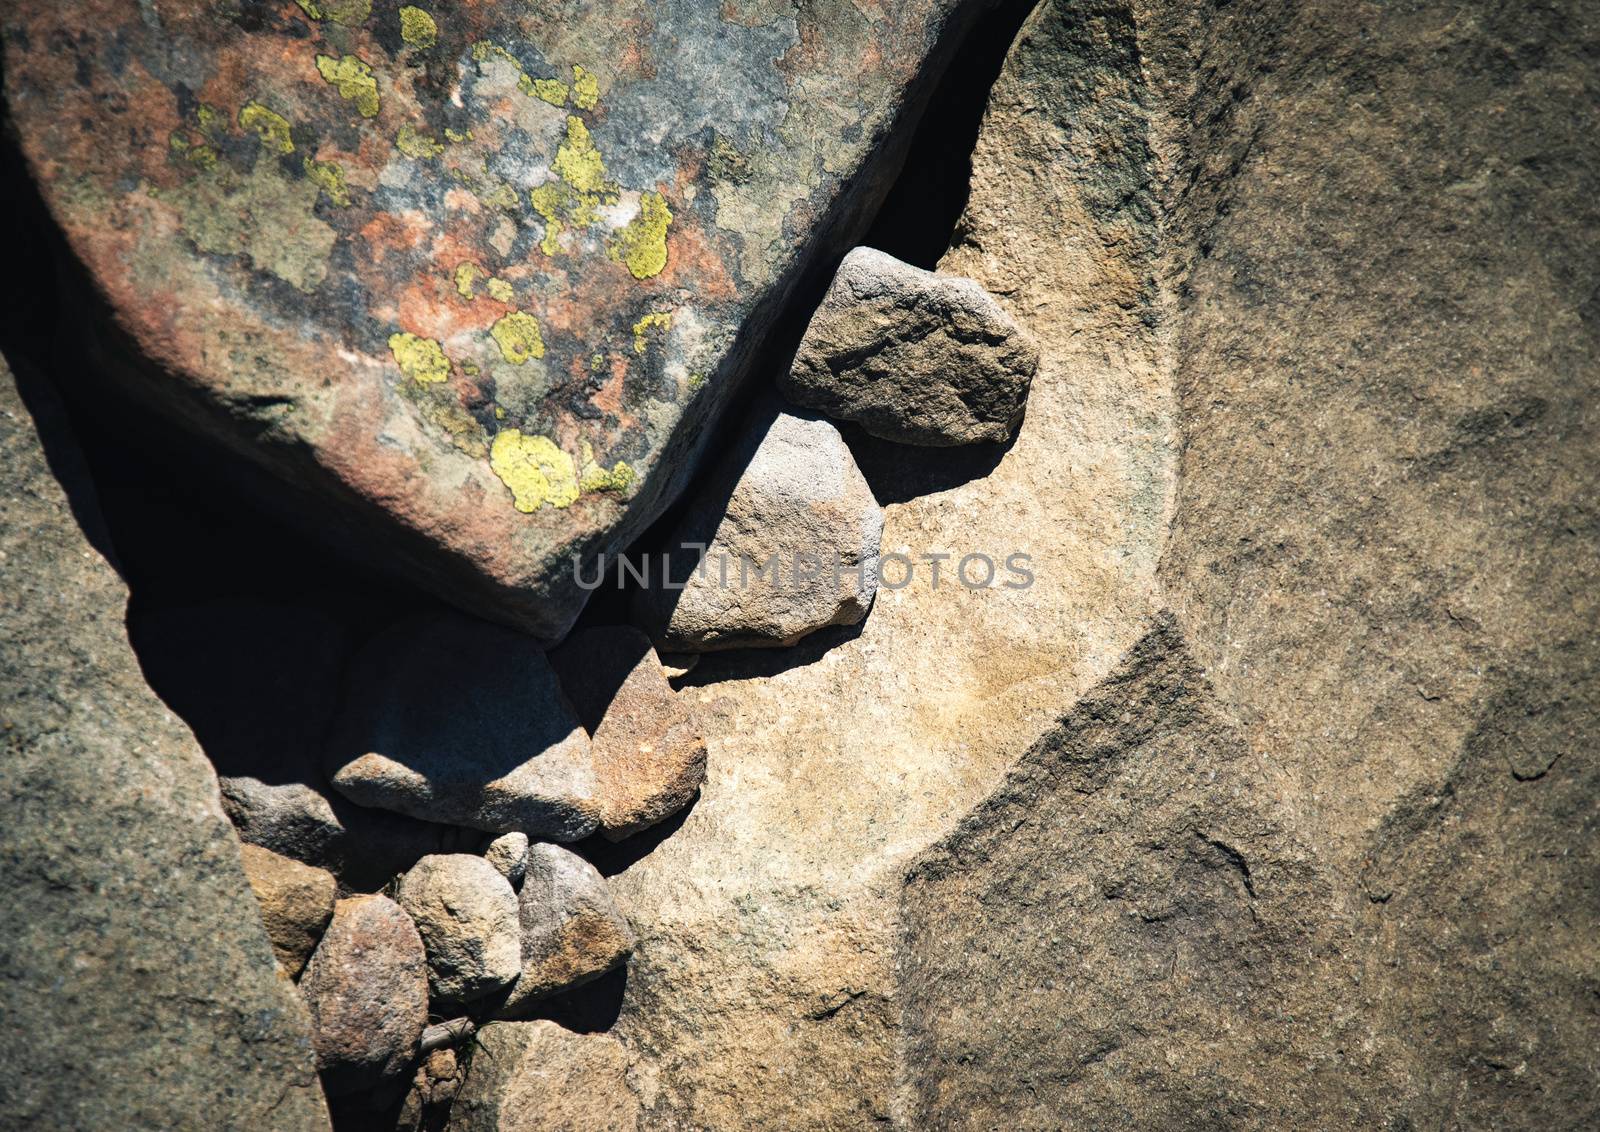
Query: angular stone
x=459 y=721
x=508 y=853
x=466 y=913
x=367 y=987
x=296 y=903
x=136 y=980
x=477 y=294
x=913 y=356
x=649 y=758
x=790 y=530
x=538 y=1077
x=571 y=930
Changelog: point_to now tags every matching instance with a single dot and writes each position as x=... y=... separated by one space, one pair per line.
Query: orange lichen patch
x=608 y=399
x=394 y=232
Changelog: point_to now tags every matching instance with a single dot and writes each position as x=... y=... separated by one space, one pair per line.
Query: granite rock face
x=783 y=541
x=471 y=290
x=296 y=904
x=913 y=356
x=649 y=758
x=463 y=722
x=538 y=1077
x=466 y=914
x=367 y=989
x=571 y=930
x=136 y=980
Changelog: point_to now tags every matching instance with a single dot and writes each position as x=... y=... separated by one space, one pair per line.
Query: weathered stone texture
x=296 y=903
x=466 y=914
x=538 y=1077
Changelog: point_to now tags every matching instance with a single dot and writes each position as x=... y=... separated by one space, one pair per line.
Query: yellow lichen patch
x=457 y=136
x=272 y=127
x=499 y=290
x=578 y=162
x=200 y=156
x=420 y=359
x=585 y=89
x=417 y=27
x=549 y=201
x=354 y=80
x=330 y=177
x=501 y=196
x=414 y=143
x=656 y=320
x=467 y=276
x=553 y=91
x=535 y=469
x=499 y=413
x=349 y=13
x=517 y=335
x=593 y=477
x=642 y=244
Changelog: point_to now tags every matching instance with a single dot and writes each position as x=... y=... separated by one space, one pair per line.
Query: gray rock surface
x=571 y=929
x=649 y=757
x=466 y=913
x=296 y=903
x=508 y=853
x=367 y=988
x=463 y=722
x=538 y=1077
x=790 y=532
x=913 y=356
x=137 y=983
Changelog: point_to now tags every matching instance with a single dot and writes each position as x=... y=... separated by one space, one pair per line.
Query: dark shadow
x=901 y=472
x=743 y=664
x=613 y=857
x=592 y=1008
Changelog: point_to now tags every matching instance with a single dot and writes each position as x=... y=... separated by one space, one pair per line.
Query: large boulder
x=367 y=989
x=136 y=980
x=649 y=757
x=296 y=903
x=913 y=356
x=466 y=913
x=781 y=542
x=471 y=288
x=454 y=720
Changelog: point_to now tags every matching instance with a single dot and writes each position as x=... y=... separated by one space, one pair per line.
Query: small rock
x=462 y=722
x=913 y=356
x=538 y=1077
x=296 y=903
x=508 y=853
x=367 y=989
x=649 y=758
x=571 y=930
x=466 y=914
x=791 y=531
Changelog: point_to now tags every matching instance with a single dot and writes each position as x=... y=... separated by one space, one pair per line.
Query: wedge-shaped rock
x=789 y=530
x=538 y=1077
x=508 y=854
x=466 y=914
x=913 y=356
x=458 y=721
x=649 y=757
x=571 y=930
x=474 y=285
x=296 y=903
x=367 y=987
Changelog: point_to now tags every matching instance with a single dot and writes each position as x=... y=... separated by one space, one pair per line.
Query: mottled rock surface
x=466 y=913
x=367 y=989
x=475 y=291
x=649 y=757
x=571 y=929
x=296 y=903
x=136 y=980
x=538 y=1077
x=782 y=541
x=508 y=853
x=463 y=722
x=913 y=356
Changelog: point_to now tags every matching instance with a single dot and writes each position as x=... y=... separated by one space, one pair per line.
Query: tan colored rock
x=367 y=988
x=466 y=913
x=571 y=930
x=538 y=1077
x=462 y=722
x=508 y=853
x=296 y=903
x=649 y=757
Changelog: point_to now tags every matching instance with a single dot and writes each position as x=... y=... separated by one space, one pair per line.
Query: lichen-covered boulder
x=914 y=356
x=367 y=988
x=466 y=914
x=781 y=542
x=472 y=278
x=296 y=903
x=649 y=757
x=571 y=931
